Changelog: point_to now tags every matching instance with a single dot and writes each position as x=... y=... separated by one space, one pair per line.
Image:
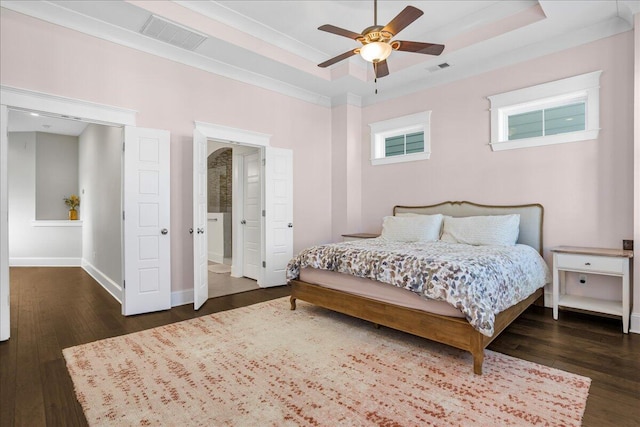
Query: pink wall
x=585 y=187
x=346 y=173
x=43 y=57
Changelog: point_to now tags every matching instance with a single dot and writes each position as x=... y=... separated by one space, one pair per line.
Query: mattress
x=376 y=290
x=479 y=280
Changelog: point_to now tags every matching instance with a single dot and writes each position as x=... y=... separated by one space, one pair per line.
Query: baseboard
x=214 y=257
x=177 y=297
x=236 y=271
x=44 y=262
x=109 y=285
x=548 y=300
x=635 y=323
x=181 y=297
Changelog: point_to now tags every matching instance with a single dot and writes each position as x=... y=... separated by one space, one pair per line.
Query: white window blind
x=402 y=139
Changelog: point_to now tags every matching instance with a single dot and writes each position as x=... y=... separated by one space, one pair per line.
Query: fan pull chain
x=375 y=76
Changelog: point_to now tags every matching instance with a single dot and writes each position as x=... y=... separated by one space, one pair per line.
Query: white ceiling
x=25 y=121
x=276 y=44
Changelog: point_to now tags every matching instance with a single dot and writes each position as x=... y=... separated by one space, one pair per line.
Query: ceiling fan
x=376 y=40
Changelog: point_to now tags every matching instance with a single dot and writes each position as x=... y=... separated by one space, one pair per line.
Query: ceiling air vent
x=438 y=67
x=168 y=32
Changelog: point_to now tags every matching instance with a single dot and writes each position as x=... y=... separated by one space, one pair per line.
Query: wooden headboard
x=531 y=216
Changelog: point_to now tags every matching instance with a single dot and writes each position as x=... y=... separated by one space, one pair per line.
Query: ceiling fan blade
x=381 y=69
x=340 y=31
x=337 y=58
x=403 y=19
x=418 y=47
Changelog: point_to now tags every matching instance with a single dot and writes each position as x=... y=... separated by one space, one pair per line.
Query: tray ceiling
x=276 y=44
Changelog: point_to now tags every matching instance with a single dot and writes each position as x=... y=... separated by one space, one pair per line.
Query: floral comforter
x=480 y=281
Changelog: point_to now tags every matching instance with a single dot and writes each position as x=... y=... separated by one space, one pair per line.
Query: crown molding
x=346 y=99
x=218 y=12
x=59 y=15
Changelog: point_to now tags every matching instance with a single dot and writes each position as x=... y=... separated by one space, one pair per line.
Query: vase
x=73 y=214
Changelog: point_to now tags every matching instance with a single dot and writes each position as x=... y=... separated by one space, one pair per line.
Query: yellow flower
x=72 y=201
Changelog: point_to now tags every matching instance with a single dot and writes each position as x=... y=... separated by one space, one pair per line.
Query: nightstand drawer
x=588 y=263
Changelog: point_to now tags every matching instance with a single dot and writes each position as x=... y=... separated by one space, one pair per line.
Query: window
x=404 y=144
x=552 y=113
x=548 y=121
x=403 y=139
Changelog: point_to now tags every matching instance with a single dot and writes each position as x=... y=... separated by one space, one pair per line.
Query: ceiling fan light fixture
x=375 y=51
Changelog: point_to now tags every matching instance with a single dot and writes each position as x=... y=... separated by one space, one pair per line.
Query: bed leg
x=292 y=300
x=477 y=351
x=478 y=358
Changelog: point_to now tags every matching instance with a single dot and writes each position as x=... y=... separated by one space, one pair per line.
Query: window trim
x=419 y=122
x=583 y=87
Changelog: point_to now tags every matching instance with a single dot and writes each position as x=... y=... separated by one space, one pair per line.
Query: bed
x=440 y=321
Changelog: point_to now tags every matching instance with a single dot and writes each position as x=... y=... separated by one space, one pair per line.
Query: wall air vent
x=168 y=32
x=438 y=67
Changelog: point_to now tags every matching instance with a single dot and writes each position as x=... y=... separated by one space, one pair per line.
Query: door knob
x=164 y=231
x=290 y=225
x=191 y=231
x=243 y=222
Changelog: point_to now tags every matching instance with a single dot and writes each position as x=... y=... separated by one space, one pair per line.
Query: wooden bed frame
x=456 y=332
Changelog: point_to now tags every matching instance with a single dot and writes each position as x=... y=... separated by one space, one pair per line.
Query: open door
x=251 y=219
x=147 y=243
x=278 y=248
x=4 y=227
x=200 y=272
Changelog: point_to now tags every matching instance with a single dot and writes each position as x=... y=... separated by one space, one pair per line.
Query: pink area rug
x=266 y=365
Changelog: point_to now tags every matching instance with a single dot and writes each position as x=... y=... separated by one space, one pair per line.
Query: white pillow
x=501 y=230
x=422 y=228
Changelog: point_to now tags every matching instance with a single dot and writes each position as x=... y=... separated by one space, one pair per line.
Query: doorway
x=57 y=164
x=266 y=245
x=147 y=144
x=52 y=165
x=232 y=185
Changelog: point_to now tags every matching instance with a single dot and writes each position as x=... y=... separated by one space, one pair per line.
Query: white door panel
x=251 y=209
x=5 y=318
x=147 y=242
x=279 y=214
x=200 y=250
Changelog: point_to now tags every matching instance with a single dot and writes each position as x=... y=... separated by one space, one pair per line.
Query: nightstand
x=609 y=262
x=359 y=236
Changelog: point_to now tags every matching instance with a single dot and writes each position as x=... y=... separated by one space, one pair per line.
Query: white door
x=147 y=243
x=278 y=215
x=4 y=227
x=200 y=263
x=251 y=216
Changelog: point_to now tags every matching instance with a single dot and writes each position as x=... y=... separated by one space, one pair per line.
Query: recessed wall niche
x=220 y=179
x=56 y=174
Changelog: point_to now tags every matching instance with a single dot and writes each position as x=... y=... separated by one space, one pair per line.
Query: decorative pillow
x=410 y=228
x=499 y=230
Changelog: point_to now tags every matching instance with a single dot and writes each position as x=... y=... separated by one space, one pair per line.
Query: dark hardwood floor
x=55 y=308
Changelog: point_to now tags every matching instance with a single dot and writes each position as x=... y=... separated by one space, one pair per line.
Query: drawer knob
x=587 y=263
